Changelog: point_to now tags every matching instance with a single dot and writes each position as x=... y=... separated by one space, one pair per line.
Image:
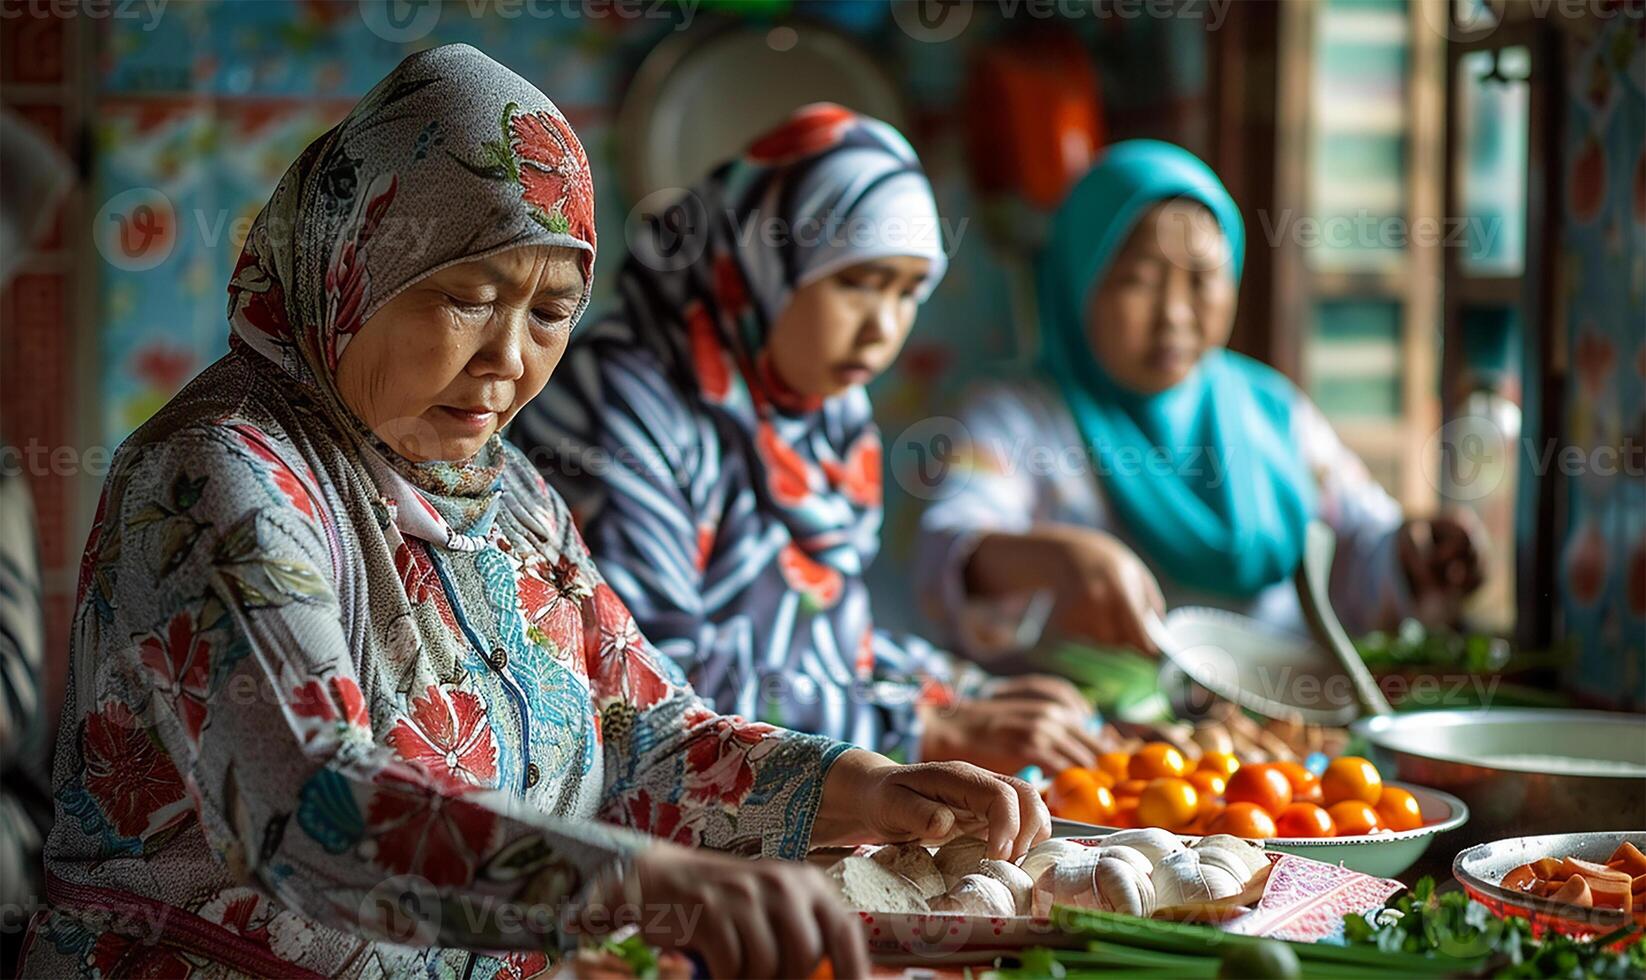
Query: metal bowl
x=1479 y=870
x=1273 y=672
x=1520 y=770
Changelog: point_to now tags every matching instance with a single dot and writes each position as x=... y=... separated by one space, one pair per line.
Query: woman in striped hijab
x=718 y=448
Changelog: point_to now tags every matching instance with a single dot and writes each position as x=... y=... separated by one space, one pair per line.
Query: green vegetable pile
x=1455 y=927
x=1413 y=645
x=1432 y=935
x=1123 y=945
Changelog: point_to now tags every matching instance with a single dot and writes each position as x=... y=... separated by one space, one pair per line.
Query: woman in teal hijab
x=1147 y=465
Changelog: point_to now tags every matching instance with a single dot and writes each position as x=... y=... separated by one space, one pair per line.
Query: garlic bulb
x=870 y=886
x=1152 y=842
x=1016 y=880
x=1130 y=855
x=1049 y=852
x=1182 y=878
x=1225 y=860
x=1250 y=853
x=976 y=894
x=914 y=863
x=1108 y=883
x=959 y=858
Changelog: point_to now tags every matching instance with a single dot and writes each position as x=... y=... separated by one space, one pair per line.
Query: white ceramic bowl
x=1381 y=855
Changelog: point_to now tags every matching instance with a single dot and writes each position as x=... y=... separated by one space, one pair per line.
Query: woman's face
x=1168 y=298
x=846 y=328
x=450 y=360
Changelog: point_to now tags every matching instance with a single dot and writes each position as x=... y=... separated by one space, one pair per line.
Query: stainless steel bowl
x=1480 y=870
x=1522 y=771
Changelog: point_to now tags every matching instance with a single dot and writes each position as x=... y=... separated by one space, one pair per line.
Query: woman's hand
x=1005 y=734
x=1040 y=687
x=744 y=918
x=867 y=798
x=1103 y=591
x=1443 y=558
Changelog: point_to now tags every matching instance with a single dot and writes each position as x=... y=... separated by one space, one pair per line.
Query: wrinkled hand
x=1443 y=558
x=1104 y=590
x=869 y=799
x=745 y=918
x=1005 y=734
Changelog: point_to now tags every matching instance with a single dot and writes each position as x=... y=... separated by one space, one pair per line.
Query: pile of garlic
x=1132 y=871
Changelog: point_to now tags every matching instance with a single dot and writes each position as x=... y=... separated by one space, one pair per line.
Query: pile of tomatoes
x=1156 y=786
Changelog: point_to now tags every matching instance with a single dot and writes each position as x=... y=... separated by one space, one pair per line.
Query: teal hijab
x=1204 y=477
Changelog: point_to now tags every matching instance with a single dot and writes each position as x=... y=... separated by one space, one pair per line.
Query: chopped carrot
x=1547 y=868
x=1589 y=869
x=1628 y=858
x=824 y=970
x=1610 y=894
x=1520 y=878
x=1575 y=892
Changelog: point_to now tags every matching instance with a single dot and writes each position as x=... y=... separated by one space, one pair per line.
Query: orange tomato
x=1353 y=818
x=1222 y=763
x=1125 y=816
x=1243 y=820
x=1210 y=809
x=1067 y=785
x=1209 y=783
x=1351 y=778
x=1130 y=787
x=1304 y=820
x=1398 y=809
x=1077 y=795
x=1305 y=784
x=1114 y=763
x=1263 y=785
x=1167 y=802
x=1103 y=778
x=1097 y=807
x=1157 y=759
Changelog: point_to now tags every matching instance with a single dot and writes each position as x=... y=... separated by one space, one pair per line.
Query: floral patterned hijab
x=328 y=250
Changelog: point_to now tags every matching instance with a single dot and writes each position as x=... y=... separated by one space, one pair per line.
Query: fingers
x=977 y=797
x=842 y=938
x=716 y=940
x=796 y=920
x=1044 y=687
x=1034 y=821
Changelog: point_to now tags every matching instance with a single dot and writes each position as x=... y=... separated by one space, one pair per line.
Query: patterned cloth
x=733 y=515
x=332 y=712
x=1022 y=461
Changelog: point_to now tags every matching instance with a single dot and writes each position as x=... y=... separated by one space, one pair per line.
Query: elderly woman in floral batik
x=348 y=695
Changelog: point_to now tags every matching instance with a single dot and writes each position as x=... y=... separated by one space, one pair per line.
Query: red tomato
x=1304 y=820
x=1262 y=785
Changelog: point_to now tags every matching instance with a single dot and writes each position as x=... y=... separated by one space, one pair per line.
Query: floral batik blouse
x=332 y=713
